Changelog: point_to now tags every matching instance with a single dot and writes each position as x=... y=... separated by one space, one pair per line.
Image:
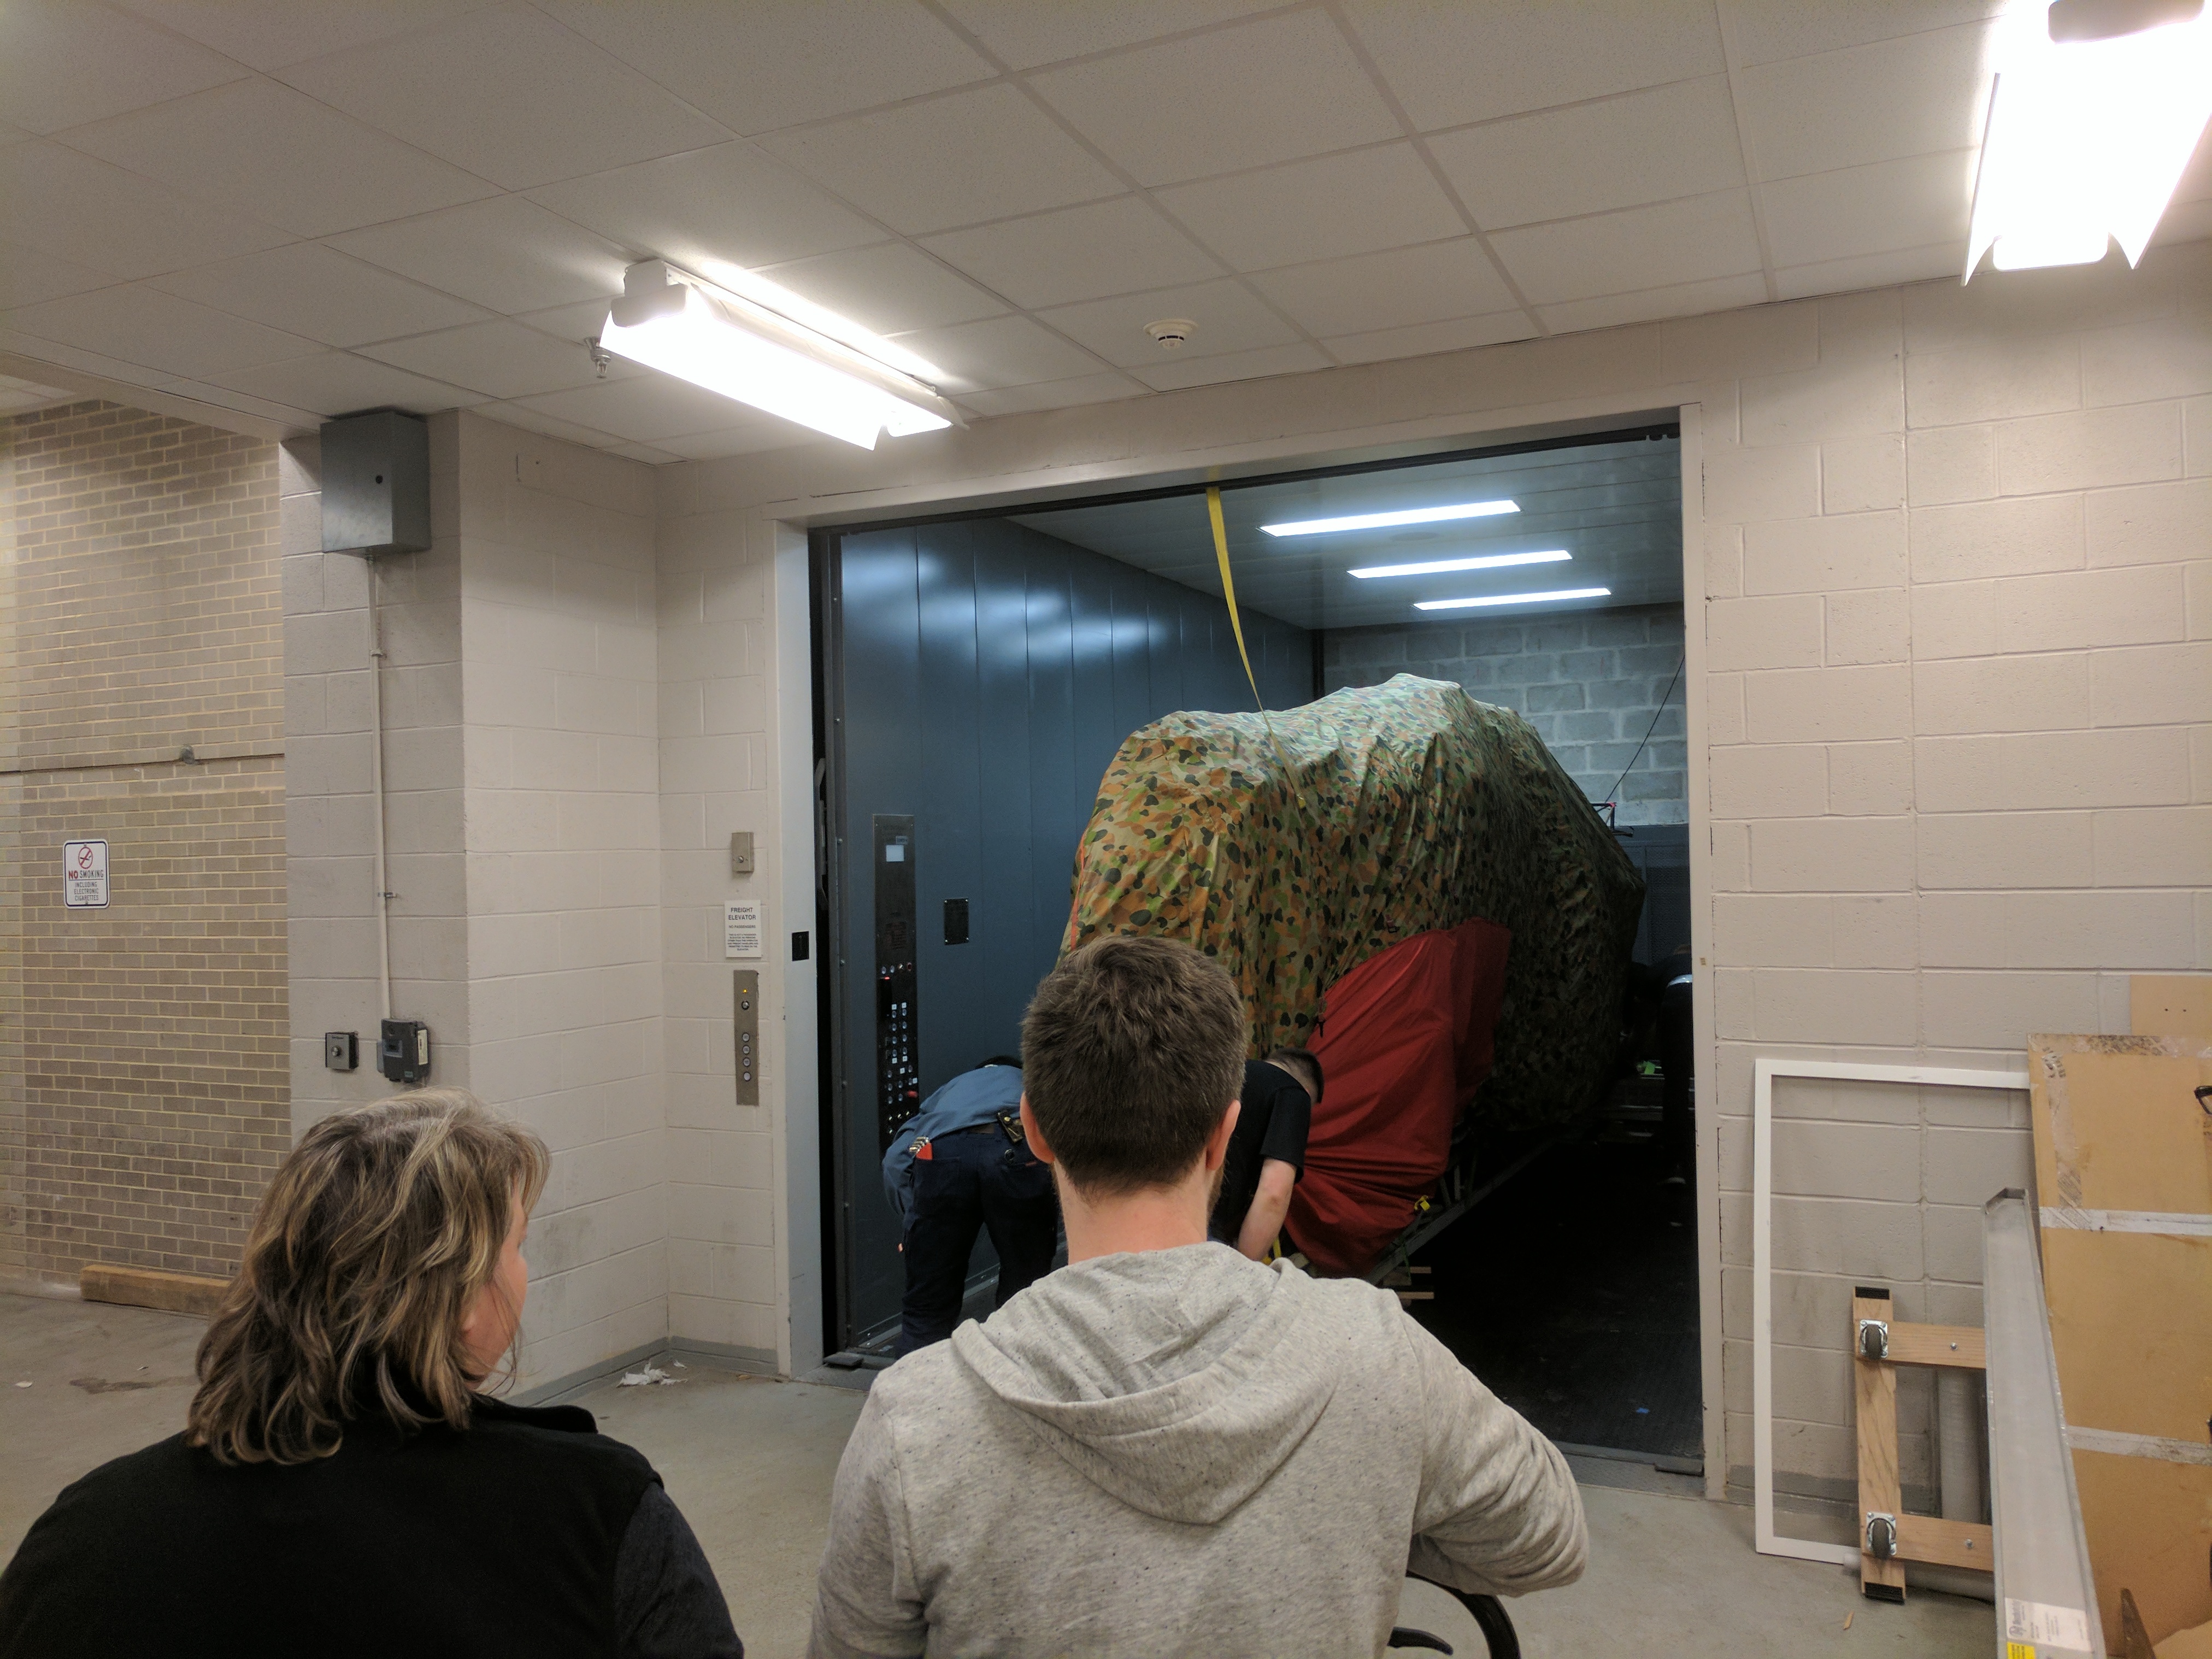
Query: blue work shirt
x=973 y=1097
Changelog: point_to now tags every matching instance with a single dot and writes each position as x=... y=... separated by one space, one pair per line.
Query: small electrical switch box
x=341 y=1050
x=741 y=852
x=746 y=1032
x=404 y=1054
x=955 y=921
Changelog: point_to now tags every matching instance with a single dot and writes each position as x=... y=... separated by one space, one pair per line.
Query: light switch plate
x=741 y=852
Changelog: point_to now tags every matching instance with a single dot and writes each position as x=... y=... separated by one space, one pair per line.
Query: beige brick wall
x=143 y=1091
x=1950 y=689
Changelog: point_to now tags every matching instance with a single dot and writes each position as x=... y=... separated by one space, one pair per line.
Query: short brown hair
x=374 y=1238
x=1132 y=1049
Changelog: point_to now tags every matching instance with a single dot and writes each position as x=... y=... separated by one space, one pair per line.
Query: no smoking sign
x=84 y=875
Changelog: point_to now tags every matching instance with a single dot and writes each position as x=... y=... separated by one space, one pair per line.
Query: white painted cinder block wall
x=1948 y=698
x=1950 y=756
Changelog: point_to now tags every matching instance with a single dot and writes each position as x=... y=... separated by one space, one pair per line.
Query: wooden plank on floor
x=1938 y=1345
x=1945 y=1543
x=1875 y=1386
x=149 y=1287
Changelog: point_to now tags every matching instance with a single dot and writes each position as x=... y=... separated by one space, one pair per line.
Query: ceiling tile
x=1229 y=318
x=18 y=398
x=1705 y=237
x=1324 y=208
x=66 y=61
x=578 y=321
x=1078 y=253
x=338 y=383
x=311 y=290
x=1680 y=299
x=729 y=203
x=2184 y=221
x=1653 y=146
x=1026 y=34
x=500 y=359
x=648 y=409
x=1267 y=91
x=1915 y=203
x=27 y=276
x=755 y=65
x=509 y=94
x=507 y=254
x=1424 y=284
x=739 y=441
x=1258 y=365
x=1916 y=265
x=1878 y=103
x=1052 y=394
x=958 y=160
x=1765 y=30
x=535 y=420
x=82 y=209
x=1450 y=65
x=648 y=453
x=270 y=33
x=138 y=325
x=276 y=153
x=1421 y=339
x=888 y=289
x=1001 y=351
x=35 y=355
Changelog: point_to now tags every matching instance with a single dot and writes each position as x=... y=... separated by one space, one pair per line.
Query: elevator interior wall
x=975 y=679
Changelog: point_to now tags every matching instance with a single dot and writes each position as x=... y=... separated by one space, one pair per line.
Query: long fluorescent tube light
x=1516 y=599
x=2088 y=129
x=1490 y=562
x=670 y=320
x=1384 y=520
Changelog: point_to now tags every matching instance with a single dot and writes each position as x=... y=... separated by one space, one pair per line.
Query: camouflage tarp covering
x=1413 y=807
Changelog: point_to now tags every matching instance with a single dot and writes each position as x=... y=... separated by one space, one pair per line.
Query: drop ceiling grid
x=1274 y=163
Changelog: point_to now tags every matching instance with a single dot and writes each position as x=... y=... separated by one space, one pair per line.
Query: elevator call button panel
x=898 y=1055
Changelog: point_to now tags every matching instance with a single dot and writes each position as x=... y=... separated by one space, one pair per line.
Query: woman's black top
x=529 y=1533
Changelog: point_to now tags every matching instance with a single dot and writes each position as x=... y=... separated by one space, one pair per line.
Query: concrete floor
x=750 y=1461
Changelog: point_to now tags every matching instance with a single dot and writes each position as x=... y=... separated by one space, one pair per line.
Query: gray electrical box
x=376 y=482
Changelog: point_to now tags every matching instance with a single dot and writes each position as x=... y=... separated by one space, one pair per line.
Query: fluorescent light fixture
x=1514 y=599
x=1384 y=520
x=2097 y=108
x=1488 y=561
x=681 y=324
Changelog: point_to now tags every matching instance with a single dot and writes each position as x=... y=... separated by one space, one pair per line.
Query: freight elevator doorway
x=975 y=675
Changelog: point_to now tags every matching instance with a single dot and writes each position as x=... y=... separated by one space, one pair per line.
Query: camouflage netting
x=1408 y=807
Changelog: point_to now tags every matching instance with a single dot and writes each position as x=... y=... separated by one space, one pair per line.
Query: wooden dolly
x=1888 y=1538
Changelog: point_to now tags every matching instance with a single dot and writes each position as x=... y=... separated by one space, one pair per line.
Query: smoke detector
x=1171 y=331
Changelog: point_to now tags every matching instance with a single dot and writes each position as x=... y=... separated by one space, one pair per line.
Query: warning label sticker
x=84 y=875
x=2044 y=1626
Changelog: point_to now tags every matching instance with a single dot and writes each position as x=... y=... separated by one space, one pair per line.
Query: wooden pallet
x=1879 y=1345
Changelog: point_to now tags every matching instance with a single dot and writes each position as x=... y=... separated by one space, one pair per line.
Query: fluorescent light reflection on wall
x=669 y=320
x=2087 y=136
x=1514 y=599
x=1386 y=521
x=1488 y=561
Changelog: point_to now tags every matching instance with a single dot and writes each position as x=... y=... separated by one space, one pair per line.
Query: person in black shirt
x=1267 y=1149
x=345 y=1486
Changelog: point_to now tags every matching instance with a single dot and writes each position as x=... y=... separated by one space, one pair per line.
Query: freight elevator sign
x=84 y=875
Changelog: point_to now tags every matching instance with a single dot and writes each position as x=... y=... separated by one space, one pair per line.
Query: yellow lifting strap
x=1237 y=625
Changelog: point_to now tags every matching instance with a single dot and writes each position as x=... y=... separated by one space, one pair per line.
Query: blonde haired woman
x=343 y=1487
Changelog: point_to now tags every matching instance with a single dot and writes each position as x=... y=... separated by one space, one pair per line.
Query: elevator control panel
x=898 y=1053
x=744 y=1025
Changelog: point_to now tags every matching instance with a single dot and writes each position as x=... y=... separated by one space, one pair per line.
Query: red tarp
x=1405 y=1043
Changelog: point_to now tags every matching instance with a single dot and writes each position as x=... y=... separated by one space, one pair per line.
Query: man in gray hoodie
x=1165 y=1447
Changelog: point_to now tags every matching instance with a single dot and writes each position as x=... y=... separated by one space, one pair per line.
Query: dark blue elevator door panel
x=989 y=673
x=1004 y=906
x=948 y=828
x=879 y=612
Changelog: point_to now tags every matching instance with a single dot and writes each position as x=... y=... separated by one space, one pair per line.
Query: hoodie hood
x=1174 y=1380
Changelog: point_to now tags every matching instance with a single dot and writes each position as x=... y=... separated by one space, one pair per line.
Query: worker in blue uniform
x=958 y=1166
